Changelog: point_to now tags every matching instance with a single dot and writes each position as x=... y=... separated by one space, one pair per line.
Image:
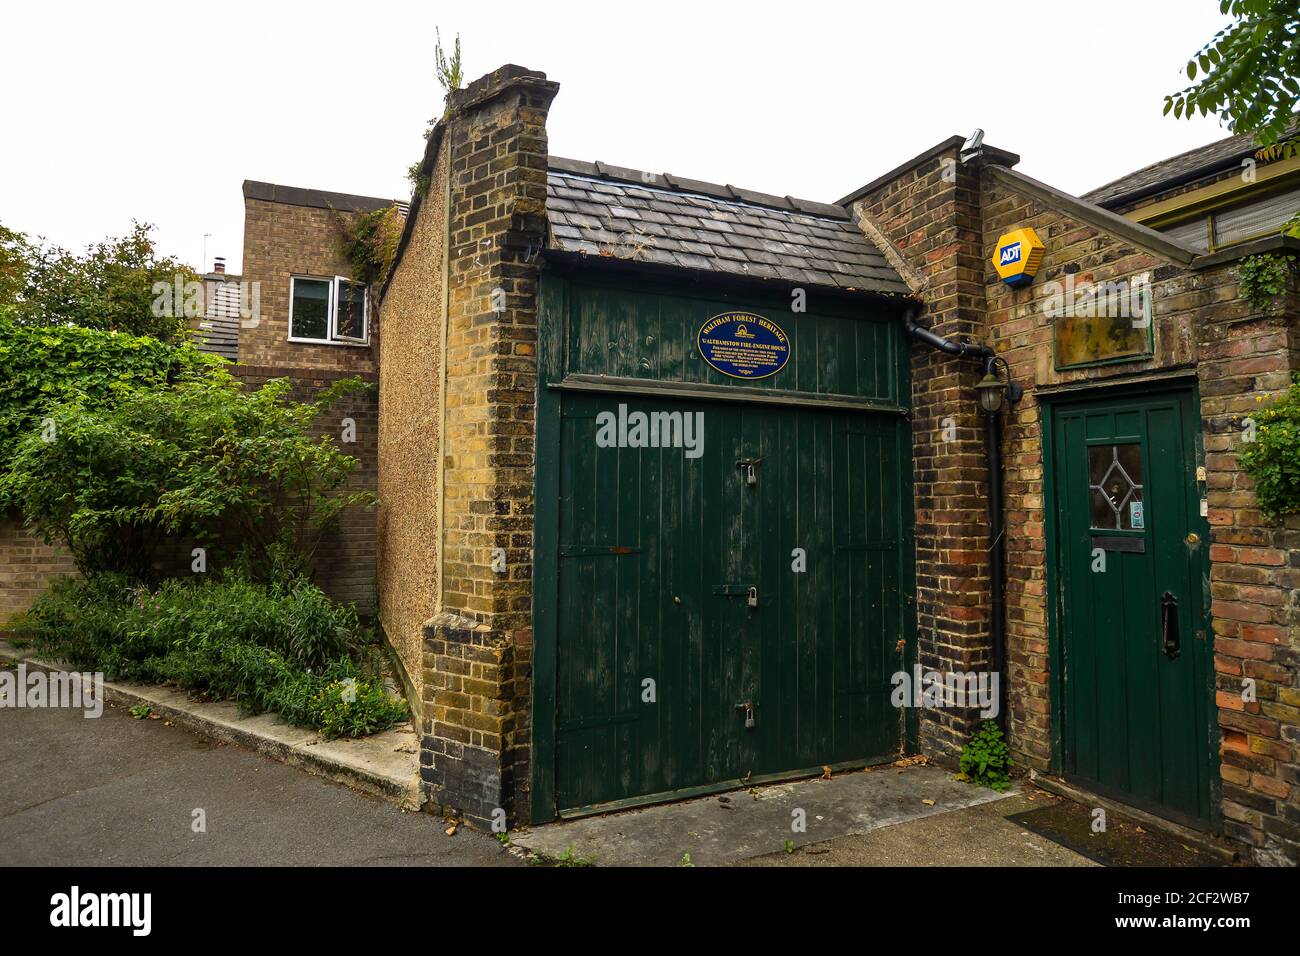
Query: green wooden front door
x=1136 y=688
x=669 y=677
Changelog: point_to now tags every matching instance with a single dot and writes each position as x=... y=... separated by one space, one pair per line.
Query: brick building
x=314 y=324
x=678 y=480
x=601 y=623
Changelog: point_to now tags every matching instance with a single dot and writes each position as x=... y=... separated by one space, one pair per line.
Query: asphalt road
x=118 y=791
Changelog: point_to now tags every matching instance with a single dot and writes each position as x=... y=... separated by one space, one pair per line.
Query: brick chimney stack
x=219 y=265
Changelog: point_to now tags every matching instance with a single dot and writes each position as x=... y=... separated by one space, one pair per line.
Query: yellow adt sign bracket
x=1017 y=256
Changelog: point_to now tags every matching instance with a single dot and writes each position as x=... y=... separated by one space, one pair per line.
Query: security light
x=990 y=390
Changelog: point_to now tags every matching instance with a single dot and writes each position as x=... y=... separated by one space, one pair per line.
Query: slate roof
x=669 y=220
x=1185 y=167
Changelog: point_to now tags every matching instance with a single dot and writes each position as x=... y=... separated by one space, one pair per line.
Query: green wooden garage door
x=666 y=676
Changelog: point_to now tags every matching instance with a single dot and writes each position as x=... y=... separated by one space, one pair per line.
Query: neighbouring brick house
x=315 y=325
x=1208 y=348
x=595 y=624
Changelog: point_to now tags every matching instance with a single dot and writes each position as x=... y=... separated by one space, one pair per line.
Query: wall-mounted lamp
x=992 y=389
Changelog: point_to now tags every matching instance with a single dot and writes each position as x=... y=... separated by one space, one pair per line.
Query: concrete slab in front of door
x=742 y=824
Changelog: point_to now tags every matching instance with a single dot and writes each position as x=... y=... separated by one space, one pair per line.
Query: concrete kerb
x=384 y=765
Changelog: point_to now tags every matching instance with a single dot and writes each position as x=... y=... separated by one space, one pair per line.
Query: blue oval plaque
x=743 y=345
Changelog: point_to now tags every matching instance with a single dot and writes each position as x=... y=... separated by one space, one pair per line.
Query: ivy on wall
x=1271 y=454
x=1260 y=279
x=369 y=240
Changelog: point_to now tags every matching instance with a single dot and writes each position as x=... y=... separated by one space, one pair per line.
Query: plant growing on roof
x=451 y=77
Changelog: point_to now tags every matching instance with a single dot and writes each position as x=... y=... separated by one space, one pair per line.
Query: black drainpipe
x=993 y=455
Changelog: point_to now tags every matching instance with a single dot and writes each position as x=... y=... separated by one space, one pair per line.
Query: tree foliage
x=110 y=286
x=1249 y=70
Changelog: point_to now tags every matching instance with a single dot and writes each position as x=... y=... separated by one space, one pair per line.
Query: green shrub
x=84 y=622
x=201 y=459
x=986 y=759
x=283 y=648
x=338 y=704
x=295 y=619
x=45 y=366
x=1271 y=456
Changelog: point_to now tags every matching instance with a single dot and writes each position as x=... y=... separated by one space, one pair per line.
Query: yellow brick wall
x=281 y=241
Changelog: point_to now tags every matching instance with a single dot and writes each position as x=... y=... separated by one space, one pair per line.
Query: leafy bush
x=1272 y=458
x=294 y=619
x=986 y=758
x=283 y=648
x=200 y=458
x=48 y=366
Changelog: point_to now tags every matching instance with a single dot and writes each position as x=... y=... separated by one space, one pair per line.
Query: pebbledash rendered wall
x=409 y=548
x=943 y=220
x=474 y=303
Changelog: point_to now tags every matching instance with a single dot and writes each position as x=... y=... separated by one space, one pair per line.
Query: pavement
x=385 y=764
x=193 y=786
x=118 y=791
x=976 y=836
x=908 y=815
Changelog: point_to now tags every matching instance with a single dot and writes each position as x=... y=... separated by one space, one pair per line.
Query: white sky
x=159 y=111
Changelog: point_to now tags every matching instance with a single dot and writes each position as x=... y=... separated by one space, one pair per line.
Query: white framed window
x=330 y=311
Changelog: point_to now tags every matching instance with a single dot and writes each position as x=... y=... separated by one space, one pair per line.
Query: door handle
x=1170 y=641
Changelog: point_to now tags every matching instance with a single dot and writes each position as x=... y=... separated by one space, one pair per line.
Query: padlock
x=752 y=599
x=751 y=475
x=749 y=716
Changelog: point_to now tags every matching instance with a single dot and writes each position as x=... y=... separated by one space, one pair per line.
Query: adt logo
x=1017 y=256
